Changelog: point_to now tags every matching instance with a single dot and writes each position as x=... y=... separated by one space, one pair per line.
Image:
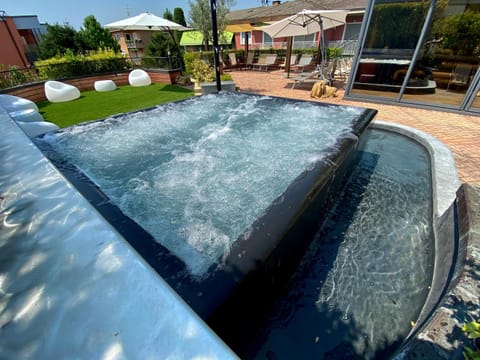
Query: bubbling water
x=197 y=174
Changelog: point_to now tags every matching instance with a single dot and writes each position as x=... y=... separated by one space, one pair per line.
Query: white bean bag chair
x=14 y=103
x=104 y=85
x=26 y=115
x=139 y=77
x=57 y=91
x=33 y=129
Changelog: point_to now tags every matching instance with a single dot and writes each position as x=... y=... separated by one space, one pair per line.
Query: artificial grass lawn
x=93 y=105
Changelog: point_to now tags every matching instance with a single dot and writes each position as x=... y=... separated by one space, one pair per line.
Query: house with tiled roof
x=254 y=18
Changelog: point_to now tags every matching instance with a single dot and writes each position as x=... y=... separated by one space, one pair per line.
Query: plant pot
x=211 y=87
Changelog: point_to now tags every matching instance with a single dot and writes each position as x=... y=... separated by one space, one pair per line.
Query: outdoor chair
x=234 y=63
x=57 y=91
x=460 y=75
x=293 y=61
x=328 y=71
x=306 y=61
x=139 y=77
x=343 y=68
x=249 y=62
x=306 y=77
x=265 y=61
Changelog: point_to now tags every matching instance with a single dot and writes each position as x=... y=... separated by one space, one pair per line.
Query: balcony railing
x=348 y=46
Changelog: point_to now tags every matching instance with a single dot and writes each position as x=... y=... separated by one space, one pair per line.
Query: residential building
x=20 y=37
x=133 y=42
x=253 y=18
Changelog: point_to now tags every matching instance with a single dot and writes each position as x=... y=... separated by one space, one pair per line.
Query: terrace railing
x=15 y=76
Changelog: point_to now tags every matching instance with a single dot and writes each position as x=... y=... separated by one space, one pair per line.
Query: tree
x=93 y=36
x=460 y=33
x=57 y=40
x=200 y=17
x=168 y=15
x=179 y=16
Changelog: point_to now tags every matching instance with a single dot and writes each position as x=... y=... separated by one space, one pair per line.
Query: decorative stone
x=104 y=85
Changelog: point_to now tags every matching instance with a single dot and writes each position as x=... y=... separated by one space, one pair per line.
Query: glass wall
x=420 y=52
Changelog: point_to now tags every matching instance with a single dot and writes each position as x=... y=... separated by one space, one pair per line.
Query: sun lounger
x=234 y=63
x=306 y=77
x=306 y=61
x=265 y=61
x=293 y=61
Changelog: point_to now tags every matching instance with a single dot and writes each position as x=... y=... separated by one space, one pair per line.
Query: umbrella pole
x=288 y=55
x=216 y=57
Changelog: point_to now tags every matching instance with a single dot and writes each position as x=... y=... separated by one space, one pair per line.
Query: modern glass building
x=422 y=53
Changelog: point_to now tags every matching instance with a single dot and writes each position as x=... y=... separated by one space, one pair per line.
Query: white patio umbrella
x=307 y=22
x=145 y=21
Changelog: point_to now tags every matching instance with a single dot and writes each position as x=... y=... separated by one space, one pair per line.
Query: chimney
x=276 y=2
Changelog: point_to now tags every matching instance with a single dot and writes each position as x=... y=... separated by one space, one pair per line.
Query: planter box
x=211 y=87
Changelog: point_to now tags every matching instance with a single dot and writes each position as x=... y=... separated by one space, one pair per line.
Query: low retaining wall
x=35 y=92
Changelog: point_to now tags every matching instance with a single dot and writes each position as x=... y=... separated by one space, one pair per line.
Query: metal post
x=216 y=57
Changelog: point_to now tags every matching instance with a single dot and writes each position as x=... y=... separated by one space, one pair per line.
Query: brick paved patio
x=461 y=133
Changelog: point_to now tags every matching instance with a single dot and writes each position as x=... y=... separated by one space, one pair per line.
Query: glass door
x=421 y=52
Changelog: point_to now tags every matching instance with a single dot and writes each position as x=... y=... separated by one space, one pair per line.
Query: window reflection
x=391 y=39
x=446 y=61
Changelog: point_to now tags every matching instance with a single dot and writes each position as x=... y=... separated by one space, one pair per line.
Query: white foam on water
x=197 y=174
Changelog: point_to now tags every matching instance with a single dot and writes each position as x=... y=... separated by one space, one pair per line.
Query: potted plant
x=204 y=78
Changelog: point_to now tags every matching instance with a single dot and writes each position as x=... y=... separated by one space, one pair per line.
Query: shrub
x=74 y=65
x=202 y=72
x=12 y=76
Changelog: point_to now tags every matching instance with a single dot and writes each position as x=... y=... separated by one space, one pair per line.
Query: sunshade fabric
x=306 y=22
x=193 y=38
x=145 y=21
x=243 y=27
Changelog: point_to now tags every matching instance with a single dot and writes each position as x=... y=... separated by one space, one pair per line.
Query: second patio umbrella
x=307 y=22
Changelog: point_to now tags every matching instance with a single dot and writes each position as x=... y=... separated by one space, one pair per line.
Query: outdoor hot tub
x=221 y=202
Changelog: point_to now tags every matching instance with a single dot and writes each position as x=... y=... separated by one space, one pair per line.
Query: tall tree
x=179 y=16
x=200 y=17
x=57 y=40
x=168 y=15
x=93 y=36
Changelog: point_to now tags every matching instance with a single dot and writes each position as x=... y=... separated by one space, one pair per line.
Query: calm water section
x=367 y=274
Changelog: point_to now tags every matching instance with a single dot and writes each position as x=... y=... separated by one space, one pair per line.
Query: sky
x=105 y=11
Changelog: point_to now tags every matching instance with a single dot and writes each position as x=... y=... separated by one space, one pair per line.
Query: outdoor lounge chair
x=265 y=61
x=249 y=61
x=305 y=61
x=327 y=73
x=57 y=91
x=139 y=77
x=293 y=61
x=460 y=75
x=306 y=77
x=234 y=63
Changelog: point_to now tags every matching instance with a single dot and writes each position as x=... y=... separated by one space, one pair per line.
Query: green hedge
x=75 y=65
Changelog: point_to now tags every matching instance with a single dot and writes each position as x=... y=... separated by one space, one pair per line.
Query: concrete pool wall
x=71 y=286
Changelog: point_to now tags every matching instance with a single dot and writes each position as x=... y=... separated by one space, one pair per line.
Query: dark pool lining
x=249 y=276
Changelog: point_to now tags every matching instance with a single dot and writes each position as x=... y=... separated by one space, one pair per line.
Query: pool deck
x=442 y=337
x=461 y=133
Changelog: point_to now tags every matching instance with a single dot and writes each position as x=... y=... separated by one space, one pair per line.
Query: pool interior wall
x=77 y=274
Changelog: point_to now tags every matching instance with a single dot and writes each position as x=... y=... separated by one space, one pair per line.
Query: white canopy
x=145 y=21
x=306 y=22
